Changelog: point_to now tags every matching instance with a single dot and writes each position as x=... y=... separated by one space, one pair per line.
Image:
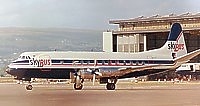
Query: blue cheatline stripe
x=22 y=61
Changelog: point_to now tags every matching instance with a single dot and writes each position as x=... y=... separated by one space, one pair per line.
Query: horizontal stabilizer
x=187 y=57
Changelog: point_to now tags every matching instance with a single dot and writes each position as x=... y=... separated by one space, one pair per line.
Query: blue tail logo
x=174 y=42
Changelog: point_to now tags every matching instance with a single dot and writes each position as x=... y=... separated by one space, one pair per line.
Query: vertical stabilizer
x=175 y=44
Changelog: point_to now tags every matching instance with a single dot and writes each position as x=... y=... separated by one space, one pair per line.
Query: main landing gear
x=78 y=87
x=78 y=81
x=111 y=84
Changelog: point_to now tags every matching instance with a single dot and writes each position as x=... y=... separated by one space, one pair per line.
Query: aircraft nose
x=8 y=69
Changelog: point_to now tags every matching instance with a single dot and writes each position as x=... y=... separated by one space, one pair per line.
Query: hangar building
x=146 y=33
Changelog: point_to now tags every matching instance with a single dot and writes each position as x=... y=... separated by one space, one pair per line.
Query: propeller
x=94 y=72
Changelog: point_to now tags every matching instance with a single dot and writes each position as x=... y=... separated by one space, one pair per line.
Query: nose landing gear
x=29 y=87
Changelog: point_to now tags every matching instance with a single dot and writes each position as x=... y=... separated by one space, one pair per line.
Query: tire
x=78 y=88
x=110 y=86
x=29 y=87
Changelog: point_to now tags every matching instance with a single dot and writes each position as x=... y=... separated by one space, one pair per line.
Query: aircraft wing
x=178 y=62
x=123 y=72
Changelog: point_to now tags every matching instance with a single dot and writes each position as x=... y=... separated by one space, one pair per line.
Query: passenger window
x=91 y=61
x=112 y=61
x=106 y=61
x=124 y=62
x=103 y=62
x=81 y=61
x=137 y=63
x=132 y=62
x=116 y=62
x=128 y=61
x=88 y=62
x=99 y=61
x=61 y=61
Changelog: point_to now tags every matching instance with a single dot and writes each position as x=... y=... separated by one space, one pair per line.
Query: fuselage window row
x=112 y=62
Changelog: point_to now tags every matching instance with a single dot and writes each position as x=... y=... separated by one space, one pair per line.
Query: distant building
x=146 y=33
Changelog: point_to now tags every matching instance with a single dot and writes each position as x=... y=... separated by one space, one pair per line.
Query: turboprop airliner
x=108 y=66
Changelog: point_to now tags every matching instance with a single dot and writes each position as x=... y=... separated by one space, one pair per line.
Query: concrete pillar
x=138 y=42
x=145 y=42
x=135 y=43
x=107 y=42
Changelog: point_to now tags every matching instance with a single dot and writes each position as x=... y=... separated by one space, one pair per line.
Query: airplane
x=189 y=69
x=108 y=66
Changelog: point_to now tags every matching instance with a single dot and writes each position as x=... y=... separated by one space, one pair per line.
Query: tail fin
x=175 y=44
x=176 y=41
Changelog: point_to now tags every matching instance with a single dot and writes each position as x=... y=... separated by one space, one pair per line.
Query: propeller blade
x=89 y=70
x=98 y=73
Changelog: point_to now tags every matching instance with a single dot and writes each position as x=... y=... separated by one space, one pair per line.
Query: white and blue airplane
x=109 y=66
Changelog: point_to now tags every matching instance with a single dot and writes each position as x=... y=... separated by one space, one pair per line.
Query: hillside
x=17 y=40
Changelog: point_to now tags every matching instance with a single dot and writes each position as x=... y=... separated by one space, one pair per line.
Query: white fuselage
x=83 y=60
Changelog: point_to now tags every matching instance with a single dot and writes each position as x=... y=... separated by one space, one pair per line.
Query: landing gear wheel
x=79 y=87
x=29 y=87
x=110 y=86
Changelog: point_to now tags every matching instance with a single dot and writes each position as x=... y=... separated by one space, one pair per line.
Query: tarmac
x=126 y=94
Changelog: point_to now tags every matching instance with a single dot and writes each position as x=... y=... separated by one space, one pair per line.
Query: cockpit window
x=23 y=57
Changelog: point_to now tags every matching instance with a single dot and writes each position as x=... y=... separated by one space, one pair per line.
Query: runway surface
x=128 y=94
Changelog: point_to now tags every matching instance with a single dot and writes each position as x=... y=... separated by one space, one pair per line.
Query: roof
x=158 y=18
x=152 y=31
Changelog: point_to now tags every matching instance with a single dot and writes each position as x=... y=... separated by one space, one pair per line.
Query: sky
x=86 y=14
